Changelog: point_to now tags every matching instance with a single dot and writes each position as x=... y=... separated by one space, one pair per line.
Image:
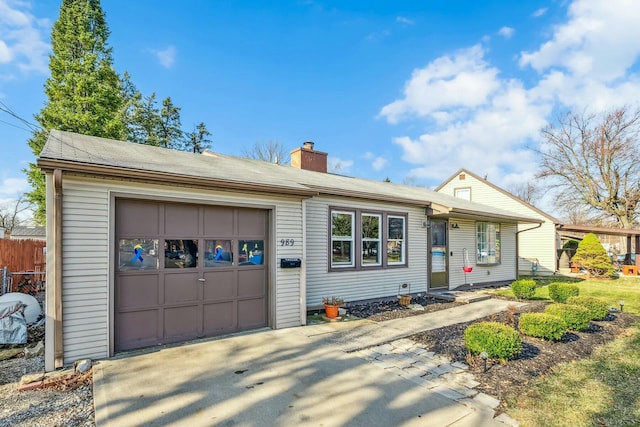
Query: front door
x=439 y=261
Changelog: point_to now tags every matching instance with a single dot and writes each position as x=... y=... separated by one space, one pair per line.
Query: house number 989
x=287 y=242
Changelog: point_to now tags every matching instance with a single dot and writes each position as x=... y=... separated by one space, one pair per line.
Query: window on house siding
x=395 y=240
x=463 y=193
x=371 y=240
x=367 y=234
x=342 y=238
x=488 y=243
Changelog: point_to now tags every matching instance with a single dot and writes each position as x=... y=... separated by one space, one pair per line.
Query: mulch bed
x=508 y=380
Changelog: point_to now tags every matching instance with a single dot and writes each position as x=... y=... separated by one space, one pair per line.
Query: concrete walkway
x=359 y=373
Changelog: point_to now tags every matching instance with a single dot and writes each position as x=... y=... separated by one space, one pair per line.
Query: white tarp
x=13 y=326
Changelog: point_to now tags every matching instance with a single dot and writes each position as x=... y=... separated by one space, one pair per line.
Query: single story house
x=148 y=246
x=34 y=232
x=537 y=243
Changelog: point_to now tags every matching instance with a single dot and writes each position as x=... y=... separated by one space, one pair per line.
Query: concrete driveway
x=290 y=377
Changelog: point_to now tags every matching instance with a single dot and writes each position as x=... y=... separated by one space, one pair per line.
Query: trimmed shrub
x=498 y=340
x=576 y=317
x=592 y=256
x=597 y=307
x=524 y=288
x=560 y=292
x=542 y=325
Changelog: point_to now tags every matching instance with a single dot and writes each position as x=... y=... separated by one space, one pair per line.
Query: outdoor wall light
x=454 y=225
x=484 y=356
x=621 y=305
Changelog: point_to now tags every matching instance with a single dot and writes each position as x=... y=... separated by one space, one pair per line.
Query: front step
x=458 y=296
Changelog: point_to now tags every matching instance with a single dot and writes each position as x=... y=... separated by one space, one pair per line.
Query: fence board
x=20 y=256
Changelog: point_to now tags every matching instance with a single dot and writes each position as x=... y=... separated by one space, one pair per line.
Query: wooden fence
x=23 y=258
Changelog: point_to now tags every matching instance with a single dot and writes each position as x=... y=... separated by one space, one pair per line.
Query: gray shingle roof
x=71 y=151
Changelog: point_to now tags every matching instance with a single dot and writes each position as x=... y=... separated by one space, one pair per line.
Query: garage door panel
x=219 y=285
x=219 y=317
x=137 y=329
x=252 y=222
x=251 y=282
x=138 y=291
x=181 y=220
x=181 y=322
x=137 y=218
x=181 y=287
x=218 y=221
x=209 y=273
x=252 y=313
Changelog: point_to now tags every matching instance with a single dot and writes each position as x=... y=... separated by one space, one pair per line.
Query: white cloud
x=463 y=80
x=506 y=32
x=13 y=188
x=22 y=39
x=473 y=118
x=539 y=12
x=166 y=57
x=338 y=165
x=404 y=20
x=598 y=41
x=379 y=163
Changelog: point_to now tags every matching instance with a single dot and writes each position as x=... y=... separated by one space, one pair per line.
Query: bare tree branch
x=594 y=160
x=271 y=151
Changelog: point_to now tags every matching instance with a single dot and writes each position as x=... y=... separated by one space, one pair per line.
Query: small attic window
x=462 y=177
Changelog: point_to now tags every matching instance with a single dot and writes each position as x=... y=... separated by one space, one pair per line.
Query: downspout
x=58 y=349
x=518 y=247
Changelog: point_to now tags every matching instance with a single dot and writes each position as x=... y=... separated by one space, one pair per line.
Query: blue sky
x=410 y=90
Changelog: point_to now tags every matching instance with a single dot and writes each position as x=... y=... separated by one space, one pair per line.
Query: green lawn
x=599 y=391
x=625 y=289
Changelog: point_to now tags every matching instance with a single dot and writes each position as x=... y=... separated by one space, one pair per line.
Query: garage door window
x=180 y=253
x=137 y=254
x=250 y=252
x=217 y=253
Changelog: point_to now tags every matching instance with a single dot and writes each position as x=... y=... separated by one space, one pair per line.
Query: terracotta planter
x=331 y=311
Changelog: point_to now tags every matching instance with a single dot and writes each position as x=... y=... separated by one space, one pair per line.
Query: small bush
x=560 y=292
x=542 y=325
x=597 y=307
x=576 y=317
x=499 y=341
x=524 y=288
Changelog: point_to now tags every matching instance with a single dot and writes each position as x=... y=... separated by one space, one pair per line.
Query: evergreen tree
x=197 y=141
x=84 y=92
x=592 y=256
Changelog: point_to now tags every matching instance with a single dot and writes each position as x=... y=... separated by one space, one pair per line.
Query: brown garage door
x=187 y=271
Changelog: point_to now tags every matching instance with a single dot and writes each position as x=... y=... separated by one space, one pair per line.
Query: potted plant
x=331 y=306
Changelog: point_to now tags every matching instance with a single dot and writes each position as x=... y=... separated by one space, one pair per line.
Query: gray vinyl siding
x=87 y=280
x=465 y=237
x=363 y=284
x=538 y=244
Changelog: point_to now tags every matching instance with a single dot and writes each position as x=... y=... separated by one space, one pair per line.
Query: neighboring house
x=38 y=232
x=537 y=243
x=148 y=246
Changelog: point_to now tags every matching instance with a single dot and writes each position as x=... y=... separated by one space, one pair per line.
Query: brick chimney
x=307 y=158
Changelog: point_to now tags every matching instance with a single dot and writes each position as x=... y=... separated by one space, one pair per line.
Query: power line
x=6 y=109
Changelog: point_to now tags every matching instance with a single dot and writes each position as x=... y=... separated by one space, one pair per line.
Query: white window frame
x=371 y=239
x=488 y=243
x=344 y=239
x=403 y=241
